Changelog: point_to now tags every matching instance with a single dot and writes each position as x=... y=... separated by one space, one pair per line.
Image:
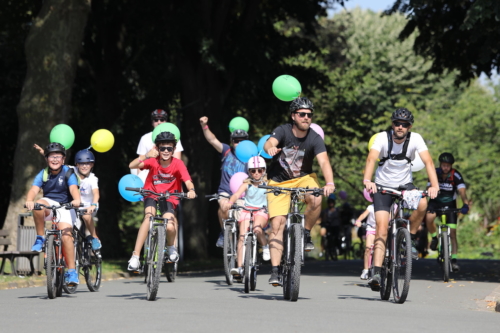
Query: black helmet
x=446 y=158
x=159 y=114
x=164 y=137
x=239 y=134
x=84 y=156
x=301 y=103
x=55 y=147
x=402 y=114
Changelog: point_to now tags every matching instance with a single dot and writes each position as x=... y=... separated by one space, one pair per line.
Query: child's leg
x=171 y=228
x=144 y=229
x=370 y=238
x=89 y=223
x=243 y=229
x=258 y=225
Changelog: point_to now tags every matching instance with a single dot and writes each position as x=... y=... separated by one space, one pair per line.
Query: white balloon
x=417 y=164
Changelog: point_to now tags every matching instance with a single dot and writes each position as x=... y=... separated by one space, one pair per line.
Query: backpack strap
x=402 y=155
x=68 y=175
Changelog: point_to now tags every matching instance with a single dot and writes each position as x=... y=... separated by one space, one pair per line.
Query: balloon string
x=89 y=147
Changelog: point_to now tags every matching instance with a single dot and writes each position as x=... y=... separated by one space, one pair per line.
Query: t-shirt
x=145 y=145
x=87 y=184
x=55 y=187
x=297 y=154
x=330 y=218
x=230 y=165
x=165 y=179
x=448 y=187
x=396 y=172
x=370 y=220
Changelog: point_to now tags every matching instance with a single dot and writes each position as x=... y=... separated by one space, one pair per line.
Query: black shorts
x=165 y=206
x=384 y=201
x=451 y=218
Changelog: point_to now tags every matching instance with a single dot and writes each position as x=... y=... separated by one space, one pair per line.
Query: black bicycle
x=154 y=250
x=444 y=247
x=293 y=239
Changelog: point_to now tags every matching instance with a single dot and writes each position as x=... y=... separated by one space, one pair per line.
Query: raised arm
x=270 y=146
x=209 y=135
x=138 y=162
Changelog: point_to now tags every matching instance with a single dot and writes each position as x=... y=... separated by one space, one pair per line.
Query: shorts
x=63 y=215
x=280 y=205
x=165 y=206
x=451 y=218
x=239 y=202
x=384 y=201
x=370 y=232
x=88 y=204
x=245 y=215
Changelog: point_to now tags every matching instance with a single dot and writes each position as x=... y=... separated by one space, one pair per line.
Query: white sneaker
x=173 y=256
x=133 y=263
x=237 y=271
x=364 y=275
x=266 y=255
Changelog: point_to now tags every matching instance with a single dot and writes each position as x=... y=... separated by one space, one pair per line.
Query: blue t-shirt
x=230 y=165
x=55 y=188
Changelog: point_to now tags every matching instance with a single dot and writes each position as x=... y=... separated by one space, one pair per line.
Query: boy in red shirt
x=165 y=174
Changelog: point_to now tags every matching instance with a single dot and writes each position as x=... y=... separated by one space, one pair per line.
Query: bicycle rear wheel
x=247 y=264
x=93 y=269
x=51 y=267
x=155 y=262
x=403 y=264
x=229 y=254
x=445 y=255
x=296 y=251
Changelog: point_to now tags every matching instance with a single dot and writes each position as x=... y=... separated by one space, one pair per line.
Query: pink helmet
x=256 y=162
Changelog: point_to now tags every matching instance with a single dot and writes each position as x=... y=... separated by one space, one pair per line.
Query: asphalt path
x=332 y=298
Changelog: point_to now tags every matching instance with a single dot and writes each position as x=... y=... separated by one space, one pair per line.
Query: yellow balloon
x=102 y=140
x=372 y=140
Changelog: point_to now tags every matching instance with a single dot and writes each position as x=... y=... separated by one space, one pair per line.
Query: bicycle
x=229 y=251
x=444 y=245
x=154 y=247
x=250 y=262
x=397 y=264
x=86 y=259
x=293 y=240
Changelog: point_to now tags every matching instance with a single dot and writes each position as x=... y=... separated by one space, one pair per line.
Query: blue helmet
x=84 y=156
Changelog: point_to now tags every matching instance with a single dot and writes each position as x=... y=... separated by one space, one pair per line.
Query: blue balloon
x=246 y=149
x=260 y=146
x=130 y=181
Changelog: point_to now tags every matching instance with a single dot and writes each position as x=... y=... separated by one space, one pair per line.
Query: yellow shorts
x=279 y=205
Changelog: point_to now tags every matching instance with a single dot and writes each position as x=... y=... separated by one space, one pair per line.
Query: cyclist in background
x=330 y=223
x=450 y=182
x=369 y=215
x=230 y=165
x=59 y=185
x=254 y=198
x=293 y=147
x=166 y=173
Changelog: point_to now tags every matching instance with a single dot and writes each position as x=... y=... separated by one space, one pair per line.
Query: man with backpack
x=396 y=149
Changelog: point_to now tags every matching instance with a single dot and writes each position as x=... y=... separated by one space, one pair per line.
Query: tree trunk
x=52 y=51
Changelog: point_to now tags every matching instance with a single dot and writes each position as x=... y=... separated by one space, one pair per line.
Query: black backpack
x=400 y=156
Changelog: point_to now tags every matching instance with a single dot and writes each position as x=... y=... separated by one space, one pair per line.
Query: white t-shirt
x=396 y=172
x=145 y=145
x=370 y=220
x=87 y=184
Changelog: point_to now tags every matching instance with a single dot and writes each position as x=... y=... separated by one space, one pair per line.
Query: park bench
x=5 y=255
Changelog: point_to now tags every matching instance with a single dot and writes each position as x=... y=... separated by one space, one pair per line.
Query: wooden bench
x=12 y=255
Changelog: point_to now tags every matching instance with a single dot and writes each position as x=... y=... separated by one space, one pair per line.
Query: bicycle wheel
x=155 y=262
x=171 y=271
x=229 y=254
x=296 y=260
x=445 y=255
x=51 y=267
x=93 y=270
x=402 y=269
x=253 y=278
x=386 y=279
x=72 y=289
x=248 y=263
x=59 y=274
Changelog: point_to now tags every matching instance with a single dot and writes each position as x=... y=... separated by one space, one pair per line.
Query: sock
x=306 y=231
x=274 y=268
x=434 y=235
x=413 y=236
x=377 y=269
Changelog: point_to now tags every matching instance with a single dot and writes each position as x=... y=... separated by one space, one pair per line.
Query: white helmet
x=256 y=162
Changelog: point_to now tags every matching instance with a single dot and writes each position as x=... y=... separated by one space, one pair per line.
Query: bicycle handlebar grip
x=211 y=196
x=137 y=189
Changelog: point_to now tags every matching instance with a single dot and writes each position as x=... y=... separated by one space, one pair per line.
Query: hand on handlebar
x=465 y=209
x=371 y=187
x=328 y=189
x=30 y=205
x=75 y=203
x=432 y=192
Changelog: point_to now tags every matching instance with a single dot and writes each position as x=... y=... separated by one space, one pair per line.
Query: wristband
x=191 y=189
x=330 y=184
x=367 y=180
x=205 y=127
x=140 y=161
x=230 y=202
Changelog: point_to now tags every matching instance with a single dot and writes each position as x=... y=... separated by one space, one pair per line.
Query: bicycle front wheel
x=51 y=267
x=403 y=264
x=78 y=256
x=155 y=262
x=445 y=255
x=247 y=265
x=229 y=254
x=92 y=271
x=296 y=260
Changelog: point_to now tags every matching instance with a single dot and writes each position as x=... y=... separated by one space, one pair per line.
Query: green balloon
x=63 y=134
x=286 y=88
x=166 y=127
x=238 y=123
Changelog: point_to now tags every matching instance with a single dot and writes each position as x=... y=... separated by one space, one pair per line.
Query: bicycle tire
x=296 y=262
x=60 y=275
x=386 y=279
x=229 y=254
x=51 y=267
x=284 y=268
x=403 y=264
x=155 y=262
x=171 y=271
x=445 y=255
x=253 y=278
x=247 y=264
x=93 y=270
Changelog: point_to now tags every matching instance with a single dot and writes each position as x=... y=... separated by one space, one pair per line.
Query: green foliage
x=474 y=242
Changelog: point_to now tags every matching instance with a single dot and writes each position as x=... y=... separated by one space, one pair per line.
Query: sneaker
x=71 y=278
x=238 y=271
x=133 y=263
x=455 y=267
x=308 y=244
x=275 y=279
x=220 y=241
x=173 y=256
x=364 y=275
x=374 y=283
x=414 y=252
x=96 y=244
x=38 y=246
x=266 y=255
x=434 y=244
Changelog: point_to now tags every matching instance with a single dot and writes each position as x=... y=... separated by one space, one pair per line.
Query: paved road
x=332 y=298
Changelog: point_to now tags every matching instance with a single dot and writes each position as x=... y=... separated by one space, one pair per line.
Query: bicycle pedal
x=276 y=284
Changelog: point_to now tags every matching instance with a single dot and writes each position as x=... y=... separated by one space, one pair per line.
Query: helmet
x=256 y=162
x=239 y=134
x=332 y=196
x=165 y=137
x=159 y=114
x=84 y=156
x=54 y=147
x=301 y=103
x=446 y=158
x=402 y=114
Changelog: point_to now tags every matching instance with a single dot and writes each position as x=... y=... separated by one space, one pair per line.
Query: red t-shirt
x=165 y=179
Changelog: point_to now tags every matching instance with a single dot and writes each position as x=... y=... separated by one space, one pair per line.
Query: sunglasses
x=158 y=120
x=305 y=114
x=397 y=124
x=169 y=149
x=259 y=170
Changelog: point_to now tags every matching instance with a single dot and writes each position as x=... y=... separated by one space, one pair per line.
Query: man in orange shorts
x=294 y=147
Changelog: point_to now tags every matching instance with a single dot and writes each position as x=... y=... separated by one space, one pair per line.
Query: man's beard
x=301 y=126
x=400 y=137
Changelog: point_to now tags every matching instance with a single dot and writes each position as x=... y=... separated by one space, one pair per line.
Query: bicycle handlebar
x=397 y=193
x=277 y=190
x=166 y=194
x=38 y=206
x=234 y=206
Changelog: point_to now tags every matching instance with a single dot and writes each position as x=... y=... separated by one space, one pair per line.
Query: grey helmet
x=301 y=103
x=402 y=114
